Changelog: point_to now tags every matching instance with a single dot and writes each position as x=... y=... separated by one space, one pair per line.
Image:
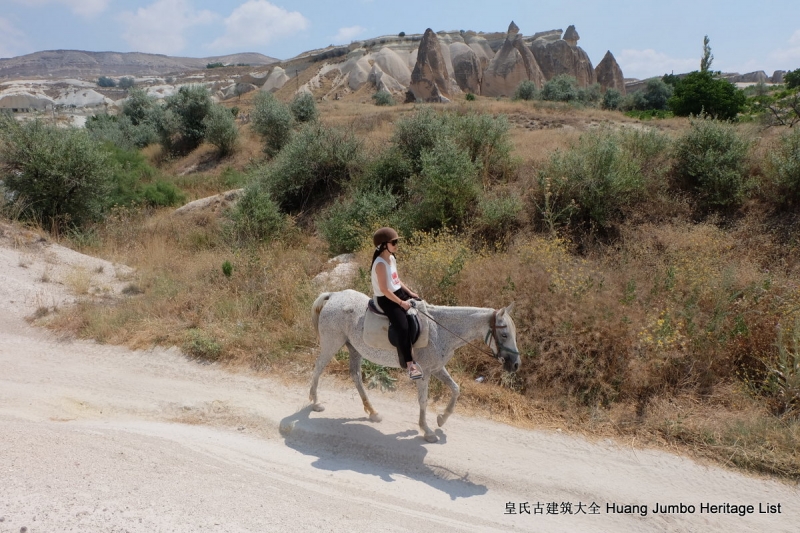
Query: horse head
x=504 y=333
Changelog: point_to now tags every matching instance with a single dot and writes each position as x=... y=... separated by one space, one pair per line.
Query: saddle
x=379 y=333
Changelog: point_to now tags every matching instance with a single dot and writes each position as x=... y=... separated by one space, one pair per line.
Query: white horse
x=338 y=318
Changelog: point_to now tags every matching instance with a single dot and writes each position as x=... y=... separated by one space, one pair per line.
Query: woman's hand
x=406 y=305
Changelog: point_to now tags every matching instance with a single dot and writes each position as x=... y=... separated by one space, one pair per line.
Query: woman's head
x=383 y=236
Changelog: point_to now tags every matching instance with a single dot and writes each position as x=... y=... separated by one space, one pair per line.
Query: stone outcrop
x=277 y=78
x=513 y=64
x=777 y=76
x=430 y=81
x=609 y=75
x=564 y=56
x=467 y=68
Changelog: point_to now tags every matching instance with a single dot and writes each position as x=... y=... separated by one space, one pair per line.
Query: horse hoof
x=441 y=419
x=375 y=417
x=431 y=438
x=318 y=407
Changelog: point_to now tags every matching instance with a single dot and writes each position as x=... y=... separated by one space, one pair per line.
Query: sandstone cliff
x=564 y=56
x=609 y=75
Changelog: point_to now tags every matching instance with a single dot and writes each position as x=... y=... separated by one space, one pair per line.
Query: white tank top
x=392 y=278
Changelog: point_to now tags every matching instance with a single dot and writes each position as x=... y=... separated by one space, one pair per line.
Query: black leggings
x=399 y=319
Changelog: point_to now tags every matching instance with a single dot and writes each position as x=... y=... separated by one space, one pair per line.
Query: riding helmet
x=384 y=235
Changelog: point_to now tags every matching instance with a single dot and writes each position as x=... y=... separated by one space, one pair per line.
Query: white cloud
x=12 y=40
x=85 y=8
x=648 y=63
x=345 y=35
x=788 y=58
x=257 y=23
x=159 y=27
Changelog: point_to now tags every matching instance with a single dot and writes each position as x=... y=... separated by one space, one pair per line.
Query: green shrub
x=61 y=175
x=389 y=170
x=784 y=168
x=612 y=99
x=121 y=132
x=562 y=88
x=470 y=97
x=221 y=129
x=201 y=345
x=257 y=216
x=498 y=217
x=657 y=94
x=104 y=81
x=126 y=83
x=138 y=106
x=304 y=108
x=700 y=93
x=446 y=188
x=134 y=182
x=272 y=120
x=526 y=91
x=315 y=165
x=590 y=95
x=486 y=139
x=348 y=223
x=710 y=160
x=383 y=98
x=183 y=130
x=592 y=182
x=417 y=133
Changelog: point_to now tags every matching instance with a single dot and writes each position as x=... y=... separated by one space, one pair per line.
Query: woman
x=392 y=295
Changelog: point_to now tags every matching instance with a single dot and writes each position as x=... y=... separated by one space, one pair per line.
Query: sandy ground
x=101 y=438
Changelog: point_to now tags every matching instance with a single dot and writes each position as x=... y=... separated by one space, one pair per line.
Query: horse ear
x=509 y=308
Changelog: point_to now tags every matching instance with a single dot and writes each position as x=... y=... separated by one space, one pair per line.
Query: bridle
x=491 y=335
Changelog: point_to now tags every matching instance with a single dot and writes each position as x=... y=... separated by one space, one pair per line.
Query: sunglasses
x=393 y=242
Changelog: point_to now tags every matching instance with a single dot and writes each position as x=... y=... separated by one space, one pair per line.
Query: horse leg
x=355 y=373
x=444 y=377
x=422 y=395
x=328 y=349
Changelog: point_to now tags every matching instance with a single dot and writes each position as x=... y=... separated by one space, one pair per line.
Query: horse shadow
x=354 y=444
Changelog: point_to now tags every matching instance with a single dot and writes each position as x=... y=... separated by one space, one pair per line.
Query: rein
x=490 y=335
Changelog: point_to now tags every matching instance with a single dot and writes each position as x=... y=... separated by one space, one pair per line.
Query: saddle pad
x=376 y=329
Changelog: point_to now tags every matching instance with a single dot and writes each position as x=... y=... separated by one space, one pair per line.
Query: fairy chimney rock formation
x=564 y=56
x=571 y=36
x=609 y=75
x=467 y=67
x=430 y=81
x=513 y=64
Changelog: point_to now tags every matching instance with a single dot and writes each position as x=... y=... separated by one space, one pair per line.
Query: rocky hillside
x=79 y=64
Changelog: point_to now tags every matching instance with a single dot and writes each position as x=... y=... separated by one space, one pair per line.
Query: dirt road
x=100 y=438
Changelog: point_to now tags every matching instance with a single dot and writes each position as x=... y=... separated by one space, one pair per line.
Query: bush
x=710 y=160
x=792 y=79
x=470 y=97
x=593 y=182
x=390 y=170
x=486 y=139
x=126 y=83
x=348 y=223
x=784 y=168
x=272 y=120
x=257 y=216
x=135 y=183
x=304 y=108
x=61 y=175
x=383 y=98
x=314 y=165
x=221 y=130
x=498 y=217
x=446 y=188
x=656 y=94
x=562 y=88
x=104 y=81
x=417 y=133
x=526 y=91
x=700 y=93
x=612 y=99
x=184 y=130
x=121 y=132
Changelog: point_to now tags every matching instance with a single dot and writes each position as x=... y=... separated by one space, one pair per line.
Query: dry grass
x=643 y=339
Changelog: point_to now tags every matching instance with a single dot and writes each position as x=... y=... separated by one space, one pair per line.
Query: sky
x=648 y=38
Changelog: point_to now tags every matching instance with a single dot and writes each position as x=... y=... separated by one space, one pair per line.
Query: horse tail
x=316 y=309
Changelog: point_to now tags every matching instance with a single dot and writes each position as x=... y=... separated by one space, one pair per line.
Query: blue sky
x=648 y=38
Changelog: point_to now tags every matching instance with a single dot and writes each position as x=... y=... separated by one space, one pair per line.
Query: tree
x=273 y=120
x=126 y=83
x=792 y=79
x=657 y=94
x=61 y=176
x=221 y=129
x=189 y=106
x=104 y=81
x=700 y=92
x=707 y=59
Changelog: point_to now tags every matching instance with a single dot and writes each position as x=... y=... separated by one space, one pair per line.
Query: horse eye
x=504 y=335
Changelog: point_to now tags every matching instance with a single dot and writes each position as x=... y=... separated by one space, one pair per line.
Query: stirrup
x=414 y=372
